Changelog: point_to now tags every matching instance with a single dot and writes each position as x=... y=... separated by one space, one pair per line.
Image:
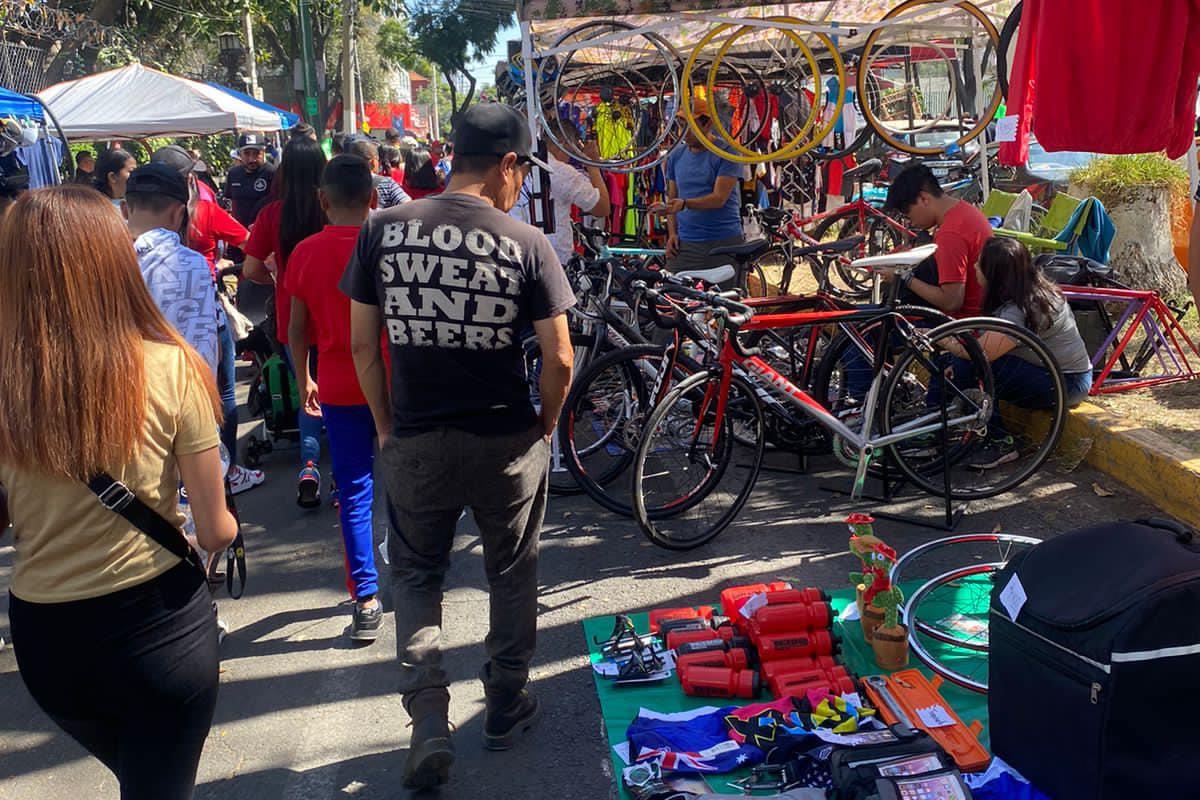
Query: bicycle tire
x=914 y=641
x=561 y=483
x=933 y=483
x=656 y=523
x=864 y=68
x=597 y=486
x=1008 y=37
x=878 y=236
x=671 y=59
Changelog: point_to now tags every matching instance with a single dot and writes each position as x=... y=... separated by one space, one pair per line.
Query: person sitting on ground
x=178 y=278
x=314 y=269
x=112 y=170
x=703 y=204
x=135 y=680
x=1015 y=289
x=466 y=432
x=210 y=226
x=387 y=191
x=85 y=167
x=421 y=178
x=949 y=283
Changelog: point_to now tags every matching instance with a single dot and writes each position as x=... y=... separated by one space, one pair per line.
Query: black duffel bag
x=1094 y=664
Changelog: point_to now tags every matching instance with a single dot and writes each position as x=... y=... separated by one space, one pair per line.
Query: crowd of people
x=404 y=278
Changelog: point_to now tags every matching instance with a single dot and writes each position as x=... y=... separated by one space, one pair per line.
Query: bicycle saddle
x=710 y=276
x=897 y=260
x=772 y=217
x=863 y=170
x=840 y=246
x=742 y=252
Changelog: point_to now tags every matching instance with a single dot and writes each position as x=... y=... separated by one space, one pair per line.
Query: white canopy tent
x=136 y=101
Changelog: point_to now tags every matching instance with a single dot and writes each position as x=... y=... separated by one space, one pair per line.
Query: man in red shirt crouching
x=314 y=269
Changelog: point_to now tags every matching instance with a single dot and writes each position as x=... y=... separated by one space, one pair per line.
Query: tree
x=398 y=49
x=452 y=33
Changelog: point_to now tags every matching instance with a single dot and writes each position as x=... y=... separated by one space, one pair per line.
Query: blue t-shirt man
x=704 y=204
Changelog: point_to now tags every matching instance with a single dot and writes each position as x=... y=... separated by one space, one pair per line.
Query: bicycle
x=881 y=232
x=687 y=447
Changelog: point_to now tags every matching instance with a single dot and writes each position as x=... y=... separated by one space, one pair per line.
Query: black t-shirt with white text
x=247 y=191
x=457 y=282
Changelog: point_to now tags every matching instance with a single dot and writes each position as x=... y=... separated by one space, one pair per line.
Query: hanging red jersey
x=1115 y=76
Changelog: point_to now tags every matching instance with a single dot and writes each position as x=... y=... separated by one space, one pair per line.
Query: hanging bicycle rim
x=936 y=72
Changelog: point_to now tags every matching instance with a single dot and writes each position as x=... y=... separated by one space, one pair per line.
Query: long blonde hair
x=74 y=313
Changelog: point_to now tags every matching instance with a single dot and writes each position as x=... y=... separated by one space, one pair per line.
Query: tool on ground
x=908 y=697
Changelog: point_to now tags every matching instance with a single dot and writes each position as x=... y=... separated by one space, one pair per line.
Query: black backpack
x=1094 y=663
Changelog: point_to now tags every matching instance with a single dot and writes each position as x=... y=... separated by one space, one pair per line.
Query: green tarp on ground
x=620 y=705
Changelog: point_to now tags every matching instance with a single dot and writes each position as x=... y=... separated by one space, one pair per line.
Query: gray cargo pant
x=430 y=478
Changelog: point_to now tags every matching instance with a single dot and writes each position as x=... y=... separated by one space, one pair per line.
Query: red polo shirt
x=212 y=225
x=959 y=241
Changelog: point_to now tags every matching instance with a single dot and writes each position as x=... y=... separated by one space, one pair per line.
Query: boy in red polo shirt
x=314 y=269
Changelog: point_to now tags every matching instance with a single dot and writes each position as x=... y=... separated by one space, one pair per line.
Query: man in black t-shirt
x=453 y=281
x=248 y=184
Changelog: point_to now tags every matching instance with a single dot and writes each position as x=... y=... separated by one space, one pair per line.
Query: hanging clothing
x=1111 y=76
x=614 y=131
x=41 y=160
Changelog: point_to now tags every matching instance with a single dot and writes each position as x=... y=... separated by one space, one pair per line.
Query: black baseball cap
x=174 y=157
x=251 y=141
x=157 y=178
x=494 y=129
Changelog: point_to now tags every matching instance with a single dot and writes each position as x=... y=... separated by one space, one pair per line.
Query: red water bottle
x=737 y=658
x=792 y=617
x=799 y=664
x=719 y=682
x=789 y=645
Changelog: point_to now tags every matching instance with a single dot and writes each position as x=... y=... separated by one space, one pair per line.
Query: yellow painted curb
x=1163 y=472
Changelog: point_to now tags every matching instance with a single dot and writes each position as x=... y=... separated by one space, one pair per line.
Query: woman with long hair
x=112 y=170
x=1016 y=289
x=95 y=382
x=280 y=226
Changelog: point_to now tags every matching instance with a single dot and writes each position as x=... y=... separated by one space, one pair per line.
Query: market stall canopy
x=136 y=101
x=286 y=118
x=13 y=104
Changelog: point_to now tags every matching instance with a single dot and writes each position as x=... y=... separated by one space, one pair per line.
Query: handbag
x=239 y=324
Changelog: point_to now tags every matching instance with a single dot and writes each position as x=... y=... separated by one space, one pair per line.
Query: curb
x=1163 y=472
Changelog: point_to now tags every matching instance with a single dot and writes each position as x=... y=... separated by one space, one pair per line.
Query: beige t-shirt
x=69 y=547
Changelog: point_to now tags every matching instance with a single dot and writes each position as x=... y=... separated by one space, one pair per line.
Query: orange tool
x=912 y=692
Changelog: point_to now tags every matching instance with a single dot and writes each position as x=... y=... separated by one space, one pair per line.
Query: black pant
x=132 y=676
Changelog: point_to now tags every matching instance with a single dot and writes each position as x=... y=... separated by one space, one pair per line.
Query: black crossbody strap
x=119 y=499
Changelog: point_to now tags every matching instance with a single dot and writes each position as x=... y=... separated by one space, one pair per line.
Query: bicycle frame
x=779 y=391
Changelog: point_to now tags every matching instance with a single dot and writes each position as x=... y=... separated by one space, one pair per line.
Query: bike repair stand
x=890 y=492
x=954 y=514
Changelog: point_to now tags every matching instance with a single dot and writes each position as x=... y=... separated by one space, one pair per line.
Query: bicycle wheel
x=769 y=271
x=957 y=602
x=691 y=474
x=1006 y=51
x=603 y=418
x=879 y=237
x=941 y=67
x=561 y=480
x=1002 y=424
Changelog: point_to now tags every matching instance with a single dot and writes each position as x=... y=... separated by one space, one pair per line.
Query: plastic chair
x=1051 y=233
x=998 y=203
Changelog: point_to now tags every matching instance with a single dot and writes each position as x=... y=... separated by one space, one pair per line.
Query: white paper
x=1006 y=128
x=850 y=613
x=753 y=604
x=1013 y=597
x=935 y=717
x=622 y=751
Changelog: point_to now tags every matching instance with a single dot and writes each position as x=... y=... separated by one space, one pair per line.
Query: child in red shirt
x=318 y=306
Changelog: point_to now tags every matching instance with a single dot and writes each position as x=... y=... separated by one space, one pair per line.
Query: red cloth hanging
x=1114 y=76
x=1021 y=88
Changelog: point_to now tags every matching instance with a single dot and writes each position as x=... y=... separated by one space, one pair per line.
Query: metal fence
x=22 y=67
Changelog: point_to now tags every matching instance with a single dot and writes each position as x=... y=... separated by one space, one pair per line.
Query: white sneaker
x=242 y=479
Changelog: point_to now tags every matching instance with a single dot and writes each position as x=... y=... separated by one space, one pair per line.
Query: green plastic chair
x=998 y=204
x=1050 y=234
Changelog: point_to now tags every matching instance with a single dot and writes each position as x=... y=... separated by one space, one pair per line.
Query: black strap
x=119 y=499
x=235 y=554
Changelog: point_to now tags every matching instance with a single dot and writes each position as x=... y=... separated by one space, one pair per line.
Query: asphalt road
x=305 y=715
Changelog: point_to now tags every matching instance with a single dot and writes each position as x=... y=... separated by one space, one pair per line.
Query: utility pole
x=348 y=101
x=251 y=65
x=312 y=109
x=435 y=130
